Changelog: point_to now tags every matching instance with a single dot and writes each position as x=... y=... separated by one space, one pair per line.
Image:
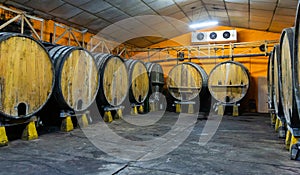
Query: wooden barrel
x=270 y=80
x=296 y=66
x=156 y=77
x=26 y=76
x=228 y=82
x=113 y=80
x=286 y=81
x=277 y=74
x=138 y=81
x=77 y=81
x=186 y=81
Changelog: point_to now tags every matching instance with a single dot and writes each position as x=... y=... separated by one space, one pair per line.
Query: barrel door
x=77 y=77
x=270 y=79
x=296 y=66
x=113 y=79
x=26 y=76
x=286 y=81
x=138 y=81
x=156 y=77
x=277 y=73
x=228 y=82
x=185 y=81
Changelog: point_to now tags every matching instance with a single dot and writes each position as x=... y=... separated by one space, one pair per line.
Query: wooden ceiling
x=169 y=18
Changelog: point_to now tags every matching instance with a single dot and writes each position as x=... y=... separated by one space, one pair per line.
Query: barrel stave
x=185 y=81
x=113 y=80
x=229 y=82
x=139 y=81
x=26 y=76
x=77 y=77
x=286 y=82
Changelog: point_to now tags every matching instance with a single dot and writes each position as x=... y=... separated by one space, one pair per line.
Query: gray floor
x=242 y=145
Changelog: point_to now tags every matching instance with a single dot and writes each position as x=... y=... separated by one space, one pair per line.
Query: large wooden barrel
x=26 y=76
x=277 y=74
x=113 y=80
x=296 y=66
x=270 y=80
x=186 y=81
x=77 y=80
x=156 y=77
x=138 y=81
x=228 y=82
x=286 y=81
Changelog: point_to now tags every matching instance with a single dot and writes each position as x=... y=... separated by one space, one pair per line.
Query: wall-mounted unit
x=220 y=36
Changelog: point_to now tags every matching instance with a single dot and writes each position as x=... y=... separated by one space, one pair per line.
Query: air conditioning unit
x=220 y=36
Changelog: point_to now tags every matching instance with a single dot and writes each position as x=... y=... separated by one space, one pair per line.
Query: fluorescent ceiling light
x=203 y=24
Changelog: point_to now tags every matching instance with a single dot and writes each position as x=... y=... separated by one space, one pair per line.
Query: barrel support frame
x=136 y=108
x=220 y=107
x=3 y=136
x=292 y=142
x=154 y=105
x=280 y=126
x=30 y=132
x=179 y=104
x=66 y=124
x=108 y=113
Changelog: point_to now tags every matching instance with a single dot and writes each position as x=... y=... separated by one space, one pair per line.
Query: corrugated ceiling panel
x=44 y=5
x=160 y=4
x=83 y=18
x=169 y=10
x=77 y=2
x=95 y=6
x=65 y=11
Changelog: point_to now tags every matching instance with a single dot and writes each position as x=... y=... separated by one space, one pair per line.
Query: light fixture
x=203 y=24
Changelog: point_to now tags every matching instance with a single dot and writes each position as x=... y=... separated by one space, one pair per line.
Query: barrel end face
x=67 y=124
x=3 y=137
x=30 y=133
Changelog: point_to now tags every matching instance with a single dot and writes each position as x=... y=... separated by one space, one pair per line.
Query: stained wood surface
x=276 y=74
x=157 y=82
x=79 y=80
x=184 y=82
x=270 y=80
x=139 y=81
x=115 y=81
x=286 y=46
x=228 y=82
x=26 y=75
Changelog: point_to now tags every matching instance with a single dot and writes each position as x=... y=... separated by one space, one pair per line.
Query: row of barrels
x=283 y=78
x=227 y=83
x=35 y=76
x=283 y=85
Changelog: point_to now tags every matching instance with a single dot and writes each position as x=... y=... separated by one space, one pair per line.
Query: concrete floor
x=242 y=145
